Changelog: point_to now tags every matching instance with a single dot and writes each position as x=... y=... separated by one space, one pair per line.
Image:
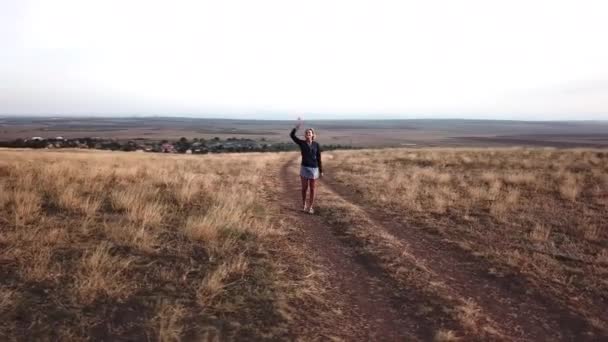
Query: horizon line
x=166 y=116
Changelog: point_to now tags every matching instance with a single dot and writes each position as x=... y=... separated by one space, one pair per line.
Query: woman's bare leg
x=304 y=188
x=311 y=183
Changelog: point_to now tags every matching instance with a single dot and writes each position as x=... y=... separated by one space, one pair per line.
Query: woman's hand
x=299 y=123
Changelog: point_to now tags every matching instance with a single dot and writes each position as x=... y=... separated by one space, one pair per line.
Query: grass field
x=115 y=245
x=107 y=246
x=542 y=213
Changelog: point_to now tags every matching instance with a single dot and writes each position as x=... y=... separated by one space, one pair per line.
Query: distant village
x=183 y=145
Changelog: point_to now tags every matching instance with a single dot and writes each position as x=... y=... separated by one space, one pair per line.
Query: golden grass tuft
x=512 y=197
x=102 y=274
x=540 y=232
x=591 y=231
x=469 y=315
x=499 y=210
x=440 y=204
x=520 y=178
x=446 y=336
x=26 y=206
x=4 y=195
x=215 y=283
x=70 y=200
x=187 y=189
x=202 y=228
x=569 y=187
x=168 y=322
x=231 y=211
x=36 y=265
x=495 y=190
x=136 y=236
x=140 y=205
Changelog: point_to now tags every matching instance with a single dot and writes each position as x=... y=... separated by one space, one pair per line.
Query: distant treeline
x=183 y=145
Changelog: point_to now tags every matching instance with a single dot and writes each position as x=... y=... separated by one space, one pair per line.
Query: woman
x=311 y=168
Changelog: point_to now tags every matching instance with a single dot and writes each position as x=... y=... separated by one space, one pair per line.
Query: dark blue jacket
x=311 y=154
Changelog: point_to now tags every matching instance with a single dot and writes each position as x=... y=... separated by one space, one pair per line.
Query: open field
x=360 y=133
x=110 y=246
x=445 y=244
x=527 y=218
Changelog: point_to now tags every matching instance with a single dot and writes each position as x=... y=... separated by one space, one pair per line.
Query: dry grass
x=140 y=204
x=540 y=232
x=93 y=236
x=168 y=322
x=70 y=200
x=569 y=187
x=446 y=336
x=102 y=274
x=541 y=212
x=469 y=315
x=215 y=282
x=591 y=232
x=201 y=228
x=135 y=236
x=96 y=237
x=25 y=206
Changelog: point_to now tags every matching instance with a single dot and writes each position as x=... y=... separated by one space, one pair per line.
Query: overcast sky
x=536 y=60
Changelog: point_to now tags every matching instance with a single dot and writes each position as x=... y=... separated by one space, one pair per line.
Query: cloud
x=584 y=88
x=425 y=57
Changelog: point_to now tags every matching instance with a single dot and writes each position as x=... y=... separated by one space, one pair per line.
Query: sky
x=530 y=60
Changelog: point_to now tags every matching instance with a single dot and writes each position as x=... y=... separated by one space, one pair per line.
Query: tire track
x=374 y=305
x=519 y=309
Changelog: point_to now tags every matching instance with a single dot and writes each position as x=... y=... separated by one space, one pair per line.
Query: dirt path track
x=365 y=301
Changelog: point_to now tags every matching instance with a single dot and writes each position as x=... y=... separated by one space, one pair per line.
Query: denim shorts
x=309 y=172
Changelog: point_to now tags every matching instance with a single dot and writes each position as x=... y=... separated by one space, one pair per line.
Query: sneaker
x=311 y=210
x=305 y=209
